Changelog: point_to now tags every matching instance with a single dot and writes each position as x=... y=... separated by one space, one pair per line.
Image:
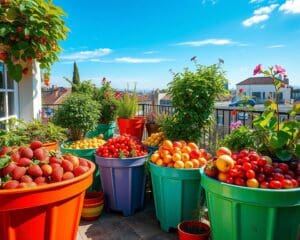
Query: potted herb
x=109 y=102
x=128 y=123
x=79 y=113
x=30 y=29
x=193 y=95
x=22 y=133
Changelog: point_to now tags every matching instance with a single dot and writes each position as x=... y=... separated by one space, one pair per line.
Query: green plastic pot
x=242 y=213
x=177 y=194
x=107 y=130
x=87 y=154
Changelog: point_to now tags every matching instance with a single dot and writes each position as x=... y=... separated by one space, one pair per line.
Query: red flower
x=241 y=90
x=257 y=69
x=233 y=112
x=280 y=69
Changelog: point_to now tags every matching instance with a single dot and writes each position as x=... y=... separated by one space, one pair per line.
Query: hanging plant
x=30 y=29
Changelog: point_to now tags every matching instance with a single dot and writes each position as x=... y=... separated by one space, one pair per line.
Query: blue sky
x=141 y=40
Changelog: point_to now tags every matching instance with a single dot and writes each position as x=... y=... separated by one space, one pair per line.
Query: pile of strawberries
x=22 y=167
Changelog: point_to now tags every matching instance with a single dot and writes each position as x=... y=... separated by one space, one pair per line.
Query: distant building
x=262 y=88
x=54 y=95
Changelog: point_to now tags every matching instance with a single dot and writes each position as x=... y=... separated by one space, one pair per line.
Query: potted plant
x=30 y=29
x=264 y=193
x=193 y=95
x=151 y=124
x=22 y=133
x=79 y=113
x=122 y=173
x=128 y=123
x=109 y=102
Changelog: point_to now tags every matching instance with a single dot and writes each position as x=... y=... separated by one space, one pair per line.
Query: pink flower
x=280 y=69
x=235 y=125
x=241 y=90
x=257 y=69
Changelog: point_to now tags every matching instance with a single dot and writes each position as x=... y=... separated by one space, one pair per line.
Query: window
x=8 y=97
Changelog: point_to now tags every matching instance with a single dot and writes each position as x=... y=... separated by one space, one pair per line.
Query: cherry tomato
x=275 y=184
x=250 y=174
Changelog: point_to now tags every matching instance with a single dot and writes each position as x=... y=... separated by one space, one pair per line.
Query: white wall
x=267 y=88
x=30 y=97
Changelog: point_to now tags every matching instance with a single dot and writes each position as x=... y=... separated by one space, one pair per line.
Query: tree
x=76 y=78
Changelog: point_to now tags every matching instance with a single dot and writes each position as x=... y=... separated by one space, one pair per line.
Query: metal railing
x=223 y=119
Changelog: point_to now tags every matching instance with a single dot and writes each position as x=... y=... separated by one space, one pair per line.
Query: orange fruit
x=154 y=157
x=186 y=149
x=167 y=144
x=188 y=164
x=208 y=156
x=192 y=145
x=222 y=176
x=185 y=157
x=167 y=158
x=171 y=165
x=179 y=164
x=159 y=162
x=176 y=157
x=196 y=163
x=183 y=143
x=202 y=161
x=223 y=151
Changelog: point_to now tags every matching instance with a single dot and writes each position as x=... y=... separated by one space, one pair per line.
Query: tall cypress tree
x=76 y=78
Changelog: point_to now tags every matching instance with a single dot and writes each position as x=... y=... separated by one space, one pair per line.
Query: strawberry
x=18 y=172
x=9 y=168
x=35 y=171
x=55 y=160
x=73 y=159
x=26 y=152
x=41 y=154
x=36 y=144
x=57 y=174
x=83 y=162
x=47 y=169
x=68 y=175
x=67 y=165
x=15 y=156
x=26 y=179
x=80 y=170
x=24 y=162
x=11 y=184
x=5 y=150
x=40 y=180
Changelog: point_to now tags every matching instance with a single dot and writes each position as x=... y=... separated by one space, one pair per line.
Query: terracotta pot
x=92 y=206
x=193 y=230
x=152 y=128
x=51 y=146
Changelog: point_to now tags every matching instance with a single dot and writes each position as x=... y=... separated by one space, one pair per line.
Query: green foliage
x=128 y=104
x=240 y=138
x=193 y=95
x=79 y=113
x=76 y=77
x=109 y=102
x=21 y=133
x=88 y=88
x=30 y=29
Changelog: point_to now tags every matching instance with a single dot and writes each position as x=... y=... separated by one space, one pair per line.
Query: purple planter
x=123 y=183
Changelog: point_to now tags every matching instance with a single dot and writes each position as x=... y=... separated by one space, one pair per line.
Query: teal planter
x=106 y=129
x=177 y=194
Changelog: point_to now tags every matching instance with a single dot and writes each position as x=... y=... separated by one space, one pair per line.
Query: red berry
x=26 y=152
x=24 y=162
x=57 y=174
x=47 y=169
x=67 y=165
x=36 y=144
x=18 y=172
x=11 y=184
x=35 y=171
x=68 y=175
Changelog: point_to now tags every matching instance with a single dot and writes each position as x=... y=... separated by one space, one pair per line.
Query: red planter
x=193 y=230
x=133 y=126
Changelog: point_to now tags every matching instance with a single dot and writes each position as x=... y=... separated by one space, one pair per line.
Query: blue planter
x=123 y=182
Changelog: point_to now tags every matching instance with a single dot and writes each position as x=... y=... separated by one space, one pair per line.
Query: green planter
x=106 y=129
x=87 y=154
x=177 y=194
x=241 y=213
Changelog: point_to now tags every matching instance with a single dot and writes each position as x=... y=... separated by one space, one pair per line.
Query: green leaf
x=297 y=150
x=15 y=72
x=280 y=139
x=284 y=155
x=4 y=161
x=12 y=14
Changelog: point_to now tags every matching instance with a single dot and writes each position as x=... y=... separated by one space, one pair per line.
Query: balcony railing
x=223 y=118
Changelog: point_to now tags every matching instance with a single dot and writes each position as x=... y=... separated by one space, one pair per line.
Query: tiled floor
x=113 y=226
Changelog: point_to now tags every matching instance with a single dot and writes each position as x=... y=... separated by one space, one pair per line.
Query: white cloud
x=141 y=60
x=290 y=6
x=213 y=2
x=265 y=10
x=86 y=55
x=212 y=41
x=276 y=46
x=150 y=52
x=256 y=1
x=255 y=20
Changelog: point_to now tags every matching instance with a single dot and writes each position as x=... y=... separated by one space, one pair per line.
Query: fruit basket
x=44 y=198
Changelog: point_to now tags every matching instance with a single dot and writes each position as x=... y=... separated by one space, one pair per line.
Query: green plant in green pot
x=30 y=29
x=277 y=139
x=193 y=95
x=128 y=123
x=79 y=113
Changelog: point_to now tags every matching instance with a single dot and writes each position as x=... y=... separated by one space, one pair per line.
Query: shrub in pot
x=193 y=96
x=79 y=113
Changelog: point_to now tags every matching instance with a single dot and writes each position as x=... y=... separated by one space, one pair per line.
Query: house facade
x=20 y=100
x=262 y=88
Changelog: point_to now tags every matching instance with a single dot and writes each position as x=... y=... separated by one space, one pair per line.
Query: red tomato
x=275 y=184
x=239 y=181
x=264 y=184
x=284 y=167
x=286 y=183
x=250 y=174
x=247 y=166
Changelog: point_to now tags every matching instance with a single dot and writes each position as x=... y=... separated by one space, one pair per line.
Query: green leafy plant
x=128 y=104
x=193 y=96
x=240 y=138
x=107 y=98
x=21 y=133
x=277 y=139
x=79 y=113
x=30 y=29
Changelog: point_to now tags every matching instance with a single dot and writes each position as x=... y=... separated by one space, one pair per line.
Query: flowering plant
x=108 y=99
x=275 y=138
x=30 y=29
